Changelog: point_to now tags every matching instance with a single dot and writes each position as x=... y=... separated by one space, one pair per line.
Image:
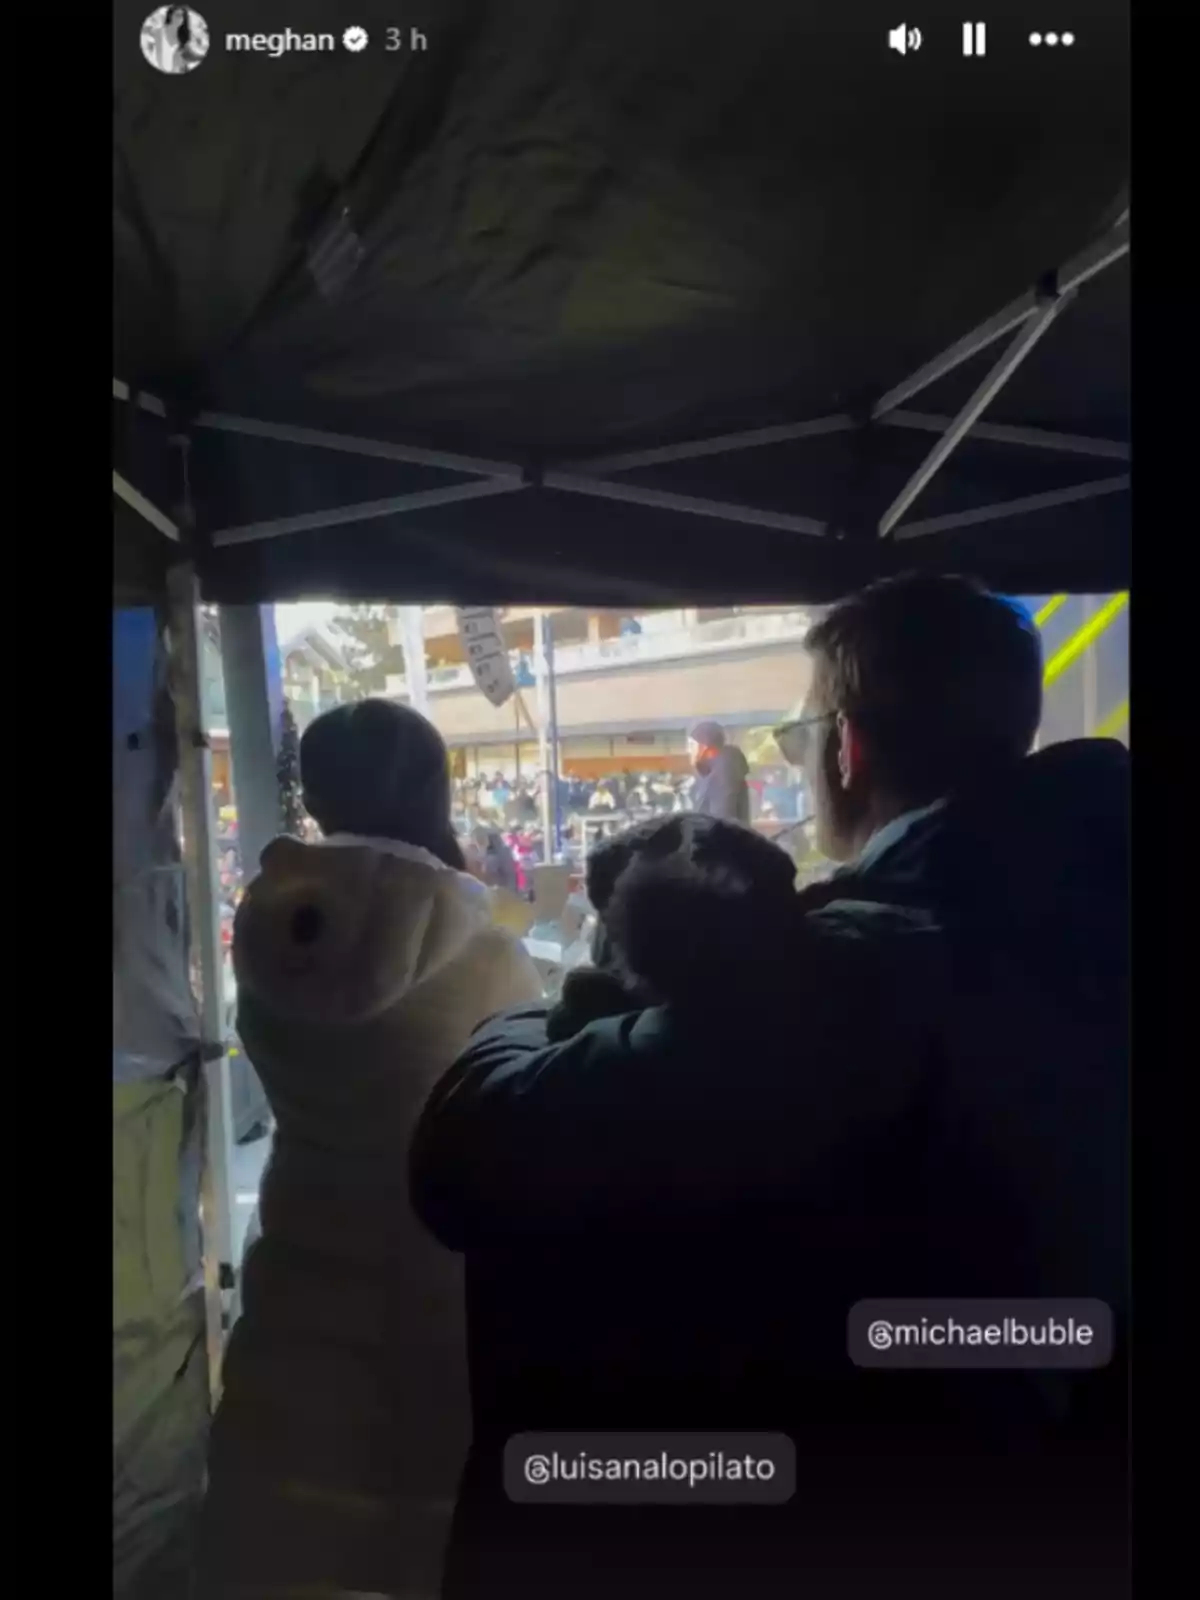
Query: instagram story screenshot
x=621 y=800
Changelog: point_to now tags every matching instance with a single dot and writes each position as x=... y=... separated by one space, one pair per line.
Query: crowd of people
x=519 y=799
x=503 y=819
x=648 y=1210
x=501 y=823
x=636 y=795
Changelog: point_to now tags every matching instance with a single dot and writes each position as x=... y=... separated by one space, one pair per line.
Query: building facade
x=628 y=687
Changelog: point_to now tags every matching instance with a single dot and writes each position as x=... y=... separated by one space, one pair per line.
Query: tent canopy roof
x=560 y=234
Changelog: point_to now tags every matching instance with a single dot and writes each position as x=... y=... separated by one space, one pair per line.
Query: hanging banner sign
x=486 y=652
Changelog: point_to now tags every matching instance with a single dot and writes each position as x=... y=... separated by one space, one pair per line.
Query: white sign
x=486 y=652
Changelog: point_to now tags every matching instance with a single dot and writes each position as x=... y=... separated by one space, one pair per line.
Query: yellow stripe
x=1114 y=722
x=1087 y=635
x=1048 y=610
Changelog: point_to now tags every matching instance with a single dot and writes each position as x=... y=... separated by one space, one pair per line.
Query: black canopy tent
x=581 y=299
x=603 y=304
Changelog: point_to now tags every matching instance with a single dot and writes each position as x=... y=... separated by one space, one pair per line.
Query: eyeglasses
x=792 y=737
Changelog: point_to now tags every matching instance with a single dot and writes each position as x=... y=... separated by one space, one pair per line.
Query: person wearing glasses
x=907 y=1082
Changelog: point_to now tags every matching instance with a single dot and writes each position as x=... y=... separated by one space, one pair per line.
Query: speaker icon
x=904 y=38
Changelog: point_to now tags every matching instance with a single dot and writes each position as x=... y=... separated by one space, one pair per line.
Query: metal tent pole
x=1001 y=433
x=1076 y=272
x=723 y=444
x=204 y=916
x=551 y=819
x=411 y=629
x=974 y=409
x=254 y=705
x=350 y=444
x=320 y=439
x=254 y=714
x=1025 y=506
x=133 y=498
x=543 y=722
x=689 y=505
x=336 y=516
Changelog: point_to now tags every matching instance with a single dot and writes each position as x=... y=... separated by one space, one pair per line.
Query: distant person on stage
x=493 y=861
x=721 y=789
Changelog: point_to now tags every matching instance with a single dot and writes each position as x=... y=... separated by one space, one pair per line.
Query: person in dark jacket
x=496 y=866
x=909 y=1081
x=721 y=787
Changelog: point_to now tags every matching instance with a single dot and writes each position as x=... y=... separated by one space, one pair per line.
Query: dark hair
x=709 y=734
x=687 y=906
x=379 y=769
x=185 y=22
x=943 y=678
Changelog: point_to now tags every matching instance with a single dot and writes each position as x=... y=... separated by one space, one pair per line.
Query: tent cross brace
x=1028 y=317
x=985 y=393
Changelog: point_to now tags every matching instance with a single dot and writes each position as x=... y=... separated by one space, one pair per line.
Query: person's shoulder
x=843 y=913
x=888 y=955
x=592 y=1039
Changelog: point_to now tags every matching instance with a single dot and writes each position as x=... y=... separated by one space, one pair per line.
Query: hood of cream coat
x=341 y=935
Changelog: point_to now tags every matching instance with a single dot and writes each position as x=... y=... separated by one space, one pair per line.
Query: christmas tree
x=291 y=806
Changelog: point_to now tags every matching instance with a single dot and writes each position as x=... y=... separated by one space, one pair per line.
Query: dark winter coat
x=499 y=867
x=723 y=791
x=668 y=1216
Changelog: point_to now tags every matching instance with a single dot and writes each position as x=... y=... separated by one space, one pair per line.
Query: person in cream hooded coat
x=364 y=964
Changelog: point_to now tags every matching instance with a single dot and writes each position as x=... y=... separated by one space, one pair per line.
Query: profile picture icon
x=174 y=39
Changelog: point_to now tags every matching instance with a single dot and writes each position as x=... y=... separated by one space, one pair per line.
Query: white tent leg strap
x=195 y=768
x=1026 y=506
x=973 y=410
x=144 y=508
